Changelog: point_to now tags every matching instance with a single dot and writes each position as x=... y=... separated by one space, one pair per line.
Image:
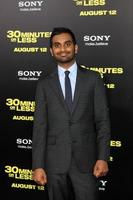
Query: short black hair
x=59 y=30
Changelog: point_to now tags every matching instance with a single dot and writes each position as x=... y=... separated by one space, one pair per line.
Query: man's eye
x=68 y=44
x=56 y=45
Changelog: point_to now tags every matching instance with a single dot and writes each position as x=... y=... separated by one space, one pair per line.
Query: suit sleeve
x=102 y=120
x=39 y=129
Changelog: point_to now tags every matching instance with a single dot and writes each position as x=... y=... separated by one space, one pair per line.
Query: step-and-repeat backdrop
x=104 y=31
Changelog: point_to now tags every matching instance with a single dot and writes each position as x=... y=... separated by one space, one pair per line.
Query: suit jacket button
x=70 y=123
x=74 y=141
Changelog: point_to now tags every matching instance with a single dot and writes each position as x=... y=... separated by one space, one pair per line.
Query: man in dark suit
x=71 y=132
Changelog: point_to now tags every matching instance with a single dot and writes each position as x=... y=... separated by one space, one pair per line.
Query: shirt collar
x=72 y=69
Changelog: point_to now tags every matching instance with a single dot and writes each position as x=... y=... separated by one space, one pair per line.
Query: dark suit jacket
x=59 y=134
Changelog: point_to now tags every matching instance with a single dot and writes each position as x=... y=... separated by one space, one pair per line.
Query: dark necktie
x=68 y=90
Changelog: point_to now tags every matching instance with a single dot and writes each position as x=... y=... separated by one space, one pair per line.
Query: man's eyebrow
x=68 y=41
x=59 y=42
x=56 y=42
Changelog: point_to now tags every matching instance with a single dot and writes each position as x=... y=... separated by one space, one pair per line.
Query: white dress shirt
x=72 y=76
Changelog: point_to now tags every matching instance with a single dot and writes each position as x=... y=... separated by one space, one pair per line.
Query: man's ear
x=51 y=51
x=76 y=49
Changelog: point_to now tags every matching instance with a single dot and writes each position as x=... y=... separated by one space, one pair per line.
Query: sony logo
x=29 y=73
x=98 y=38
x=24 y=141
x=103 y=183
x=30 y=3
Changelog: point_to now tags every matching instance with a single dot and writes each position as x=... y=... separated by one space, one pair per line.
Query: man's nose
x=62 y=48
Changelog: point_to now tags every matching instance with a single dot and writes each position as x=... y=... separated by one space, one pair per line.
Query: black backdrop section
x=104 y=30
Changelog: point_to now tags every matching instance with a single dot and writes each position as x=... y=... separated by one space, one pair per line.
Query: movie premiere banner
x=104 y=32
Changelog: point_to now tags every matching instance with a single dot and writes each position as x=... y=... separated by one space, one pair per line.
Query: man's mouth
x=63 y=55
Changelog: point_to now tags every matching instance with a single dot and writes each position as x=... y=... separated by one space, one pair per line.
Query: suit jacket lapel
x=55 y=84
x=78 y=88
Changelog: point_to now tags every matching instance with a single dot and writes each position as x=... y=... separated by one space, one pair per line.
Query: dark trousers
x=73 y=185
